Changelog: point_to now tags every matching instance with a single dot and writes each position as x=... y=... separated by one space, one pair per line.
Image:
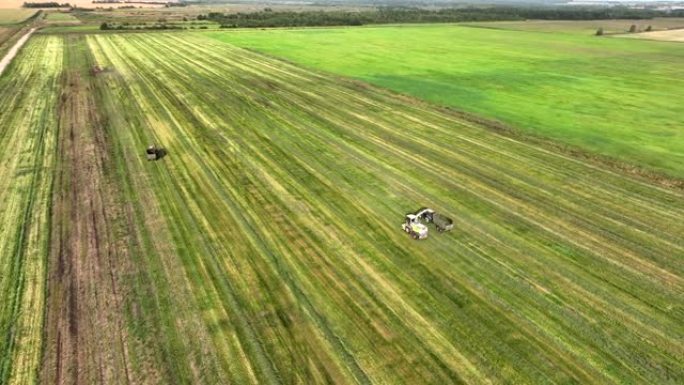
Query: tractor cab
x=151 y=152
x=414 y=227
x=154 y=152
x=415 y=224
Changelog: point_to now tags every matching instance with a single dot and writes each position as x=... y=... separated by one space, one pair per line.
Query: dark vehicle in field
x=154 y=152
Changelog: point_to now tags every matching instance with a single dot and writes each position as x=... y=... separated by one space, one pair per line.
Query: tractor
x=415 y=223
x=414 y=228
x=154 y=153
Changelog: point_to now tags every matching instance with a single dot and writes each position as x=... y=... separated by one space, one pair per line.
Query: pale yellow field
x=671 y=35
x=9 y=16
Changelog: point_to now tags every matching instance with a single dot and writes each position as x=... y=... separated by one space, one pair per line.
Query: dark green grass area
x=610 y=96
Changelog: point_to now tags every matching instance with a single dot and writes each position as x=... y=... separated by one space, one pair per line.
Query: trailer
x=442 y=222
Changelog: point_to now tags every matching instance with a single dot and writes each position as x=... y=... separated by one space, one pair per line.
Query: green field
x=266 y=248
x=61 y=17
x=610 y=96
x=28 y=134
x=71 y=28
x=584 y=27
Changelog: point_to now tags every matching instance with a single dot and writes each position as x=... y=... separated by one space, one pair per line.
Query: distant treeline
x=145 y=26
x=165 y=3
x=47 y=5
x=387 y=15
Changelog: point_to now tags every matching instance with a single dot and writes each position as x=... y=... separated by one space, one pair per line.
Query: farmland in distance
x=615 y=97
x=675 y=35
x=585 y=27
x=10 y=16
x=265 y=246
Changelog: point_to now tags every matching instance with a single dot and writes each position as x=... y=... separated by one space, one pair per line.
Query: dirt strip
x=85 y=326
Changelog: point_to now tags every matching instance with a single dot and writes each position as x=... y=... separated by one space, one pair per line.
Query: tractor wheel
x=415 y=236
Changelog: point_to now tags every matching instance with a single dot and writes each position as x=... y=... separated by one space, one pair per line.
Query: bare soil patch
x=85 y=318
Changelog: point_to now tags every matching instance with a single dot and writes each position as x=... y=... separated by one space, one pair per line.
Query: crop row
x=28 y=132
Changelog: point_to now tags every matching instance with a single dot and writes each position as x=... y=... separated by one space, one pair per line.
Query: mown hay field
x=616 y=97
x=28 y=135
x=265 y=246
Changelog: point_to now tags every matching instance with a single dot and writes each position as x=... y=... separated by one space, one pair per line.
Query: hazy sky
x=18 y=3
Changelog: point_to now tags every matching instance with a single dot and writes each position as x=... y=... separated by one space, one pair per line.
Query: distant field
x=59 y=29
x=177 y=14
x=676 y=35
x=11 y=31
x=61 y=17
x=11 y=16
x=265 y=247
x=586 y=27
x=616 y=97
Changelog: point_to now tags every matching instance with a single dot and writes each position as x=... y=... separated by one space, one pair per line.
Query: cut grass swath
x=28 y=131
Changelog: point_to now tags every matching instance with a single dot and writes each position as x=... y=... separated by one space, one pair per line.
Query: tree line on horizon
x=51 y=4
x=389 y=15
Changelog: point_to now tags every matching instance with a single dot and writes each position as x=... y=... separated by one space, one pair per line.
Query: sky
x=18 y=3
